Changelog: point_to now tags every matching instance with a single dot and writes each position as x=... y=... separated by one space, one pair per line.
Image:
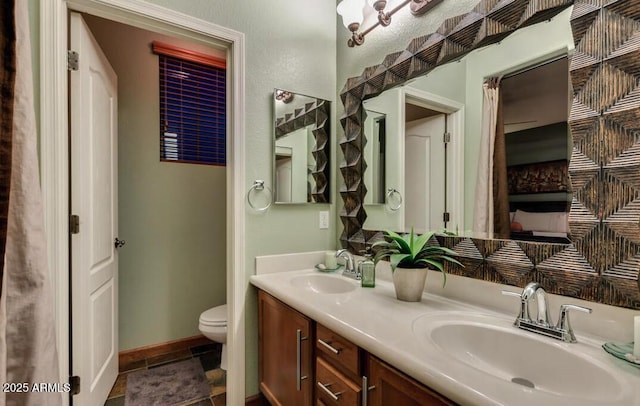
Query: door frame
x=455 y=161
x=54 y=158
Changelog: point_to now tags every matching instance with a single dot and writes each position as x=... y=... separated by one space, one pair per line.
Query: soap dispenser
x=367 y=270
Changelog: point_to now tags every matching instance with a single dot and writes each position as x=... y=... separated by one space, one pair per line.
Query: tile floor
x=209 y=356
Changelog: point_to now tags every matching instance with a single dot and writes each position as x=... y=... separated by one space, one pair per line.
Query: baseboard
x=153 y=350
x=256 y=400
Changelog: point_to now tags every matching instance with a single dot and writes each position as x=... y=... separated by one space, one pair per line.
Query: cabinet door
x=333 y=388
x=285 y=363
x=392 y=387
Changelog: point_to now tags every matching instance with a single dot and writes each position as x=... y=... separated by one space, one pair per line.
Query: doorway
x=54 y=155
x=425 y=169
x=433 y=156
x=173 y=265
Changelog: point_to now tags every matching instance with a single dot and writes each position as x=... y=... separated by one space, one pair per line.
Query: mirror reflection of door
x=283 y=174
x=311 y=164
x=292 y=151
x=425 y=180
x=376 y=128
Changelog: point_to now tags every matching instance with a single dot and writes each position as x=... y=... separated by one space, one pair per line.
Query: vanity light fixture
x=284 y=96
x=352 y=13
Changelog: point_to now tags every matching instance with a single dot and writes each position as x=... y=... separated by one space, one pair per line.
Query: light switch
x=324 y=219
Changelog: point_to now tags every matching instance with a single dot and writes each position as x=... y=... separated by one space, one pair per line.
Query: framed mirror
x=428 y=150
x=301 y=148
x=600 y=261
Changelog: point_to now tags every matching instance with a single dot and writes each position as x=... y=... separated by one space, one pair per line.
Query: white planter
x=409 y=283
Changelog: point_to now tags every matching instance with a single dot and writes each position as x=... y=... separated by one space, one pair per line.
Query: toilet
x=213 y=325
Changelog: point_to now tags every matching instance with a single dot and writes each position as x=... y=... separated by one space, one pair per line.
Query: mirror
x=600 y=262
x=301 y=148
x=433 y=126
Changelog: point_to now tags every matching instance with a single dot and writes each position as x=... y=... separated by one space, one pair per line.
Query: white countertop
x=384 y=326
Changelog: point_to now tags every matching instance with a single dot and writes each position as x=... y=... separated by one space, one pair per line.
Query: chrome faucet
x=349 y=264
x=542 y=324
x=535 y=290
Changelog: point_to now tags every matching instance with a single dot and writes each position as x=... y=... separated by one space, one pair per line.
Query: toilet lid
x=216 y=316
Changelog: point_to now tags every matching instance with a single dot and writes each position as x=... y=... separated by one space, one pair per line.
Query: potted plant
x=410 y=257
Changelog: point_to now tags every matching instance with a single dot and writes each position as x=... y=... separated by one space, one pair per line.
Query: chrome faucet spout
x=535 y=290
x=542 y=324
x=349 y=263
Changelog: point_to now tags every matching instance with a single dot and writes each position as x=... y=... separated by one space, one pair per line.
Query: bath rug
x=170 y=384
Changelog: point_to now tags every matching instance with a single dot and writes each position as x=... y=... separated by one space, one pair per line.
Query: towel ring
x=390 y=193
x=258 y=185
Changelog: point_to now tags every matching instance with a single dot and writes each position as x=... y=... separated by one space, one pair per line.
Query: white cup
x=330 y=260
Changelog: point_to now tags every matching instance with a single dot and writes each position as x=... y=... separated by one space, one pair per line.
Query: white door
x=94 y=186
x=283 y=174
x=424 y=174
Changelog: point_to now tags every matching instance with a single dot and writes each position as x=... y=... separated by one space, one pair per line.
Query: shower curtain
x=491 y=210
x=28 y=353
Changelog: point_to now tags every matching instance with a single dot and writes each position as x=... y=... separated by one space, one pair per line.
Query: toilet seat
x=214 y=317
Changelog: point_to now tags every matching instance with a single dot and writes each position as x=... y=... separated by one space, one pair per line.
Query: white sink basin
x=539 y=364
x=323 y=283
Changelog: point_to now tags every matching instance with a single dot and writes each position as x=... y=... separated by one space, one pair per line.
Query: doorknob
x=119 y=243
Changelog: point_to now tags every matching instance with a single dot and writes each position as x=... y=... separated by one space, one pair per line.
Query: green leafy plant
x=412 y=251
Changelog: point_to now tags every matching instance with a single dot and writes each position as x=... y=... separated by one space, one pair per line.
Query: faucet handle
x=510 y=293
x=564 y=323
x=524 y=307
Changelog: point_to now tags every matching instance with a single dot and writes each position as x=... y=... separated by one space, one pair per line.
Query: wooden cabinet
x=333 y=388
x=285 y=359
x=392 y=387
x=290 y=375
x=338 y=369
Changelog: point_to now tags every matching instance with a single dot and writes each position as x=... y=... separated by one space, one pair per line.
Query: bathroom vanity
x=302 y=362
x=341 y=344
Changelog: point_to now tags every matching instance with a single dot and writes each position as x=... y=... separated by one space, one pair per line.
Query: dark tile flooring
x=209 y=356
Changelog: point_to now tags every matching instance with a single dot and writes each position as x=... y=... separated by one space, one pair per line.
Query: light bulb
x=351 y=12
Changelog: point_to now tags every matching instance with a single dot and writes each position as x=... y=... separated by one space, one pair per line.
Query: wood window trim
x=162 y=48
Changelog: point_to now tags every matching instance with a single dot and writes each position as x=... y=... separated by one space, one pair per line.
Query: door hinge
x=446 y=216
x=72 y=60
x=75 y=384
x=74 y=224
x=446 y=138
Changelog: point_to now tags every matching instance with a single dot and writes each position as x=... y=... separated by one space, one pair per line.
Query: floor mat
x=170 y=384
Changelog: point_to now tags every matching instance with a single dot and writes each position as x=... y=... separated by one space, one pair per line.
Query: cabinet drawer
x=333 y=388
x=339 y=351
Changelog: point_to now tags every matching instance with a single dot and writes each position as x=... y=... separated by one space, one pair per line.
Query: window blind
x=192 y=111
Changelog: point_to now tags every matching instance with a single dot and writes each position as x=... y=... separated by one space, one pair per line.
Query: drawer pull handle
x=299 y=377
x=329 y=347
x=325 y=388
x=365 y=390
